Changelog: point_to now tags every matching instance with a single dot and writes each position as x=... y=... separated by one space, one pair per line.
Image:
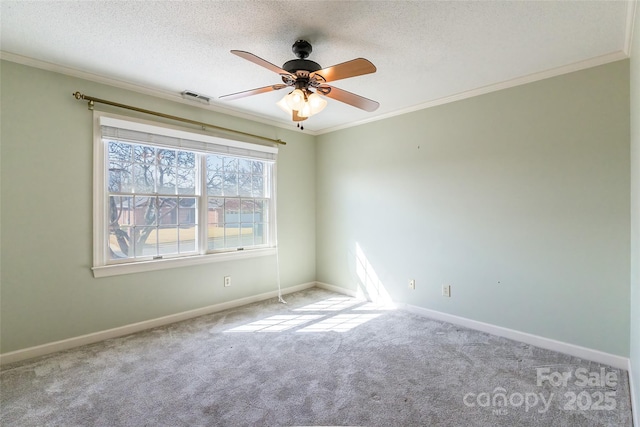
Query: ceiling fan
x=309 y=81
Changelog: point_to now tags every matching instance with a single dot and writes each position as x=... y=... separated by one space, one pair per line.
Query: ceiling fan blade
x=259 y=61
x=253 y=92
x=355 y=67
x=348 y=98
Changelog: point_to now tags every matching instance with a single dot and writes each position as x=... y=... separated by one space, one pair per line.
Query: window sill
x=162 y=264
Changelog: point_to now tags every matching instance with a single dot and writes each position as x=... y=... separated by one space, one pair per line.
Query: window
x=167 y=197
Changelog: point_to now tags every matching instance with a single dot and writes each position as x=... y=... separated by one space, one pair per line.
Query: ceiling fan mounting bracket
x=302 y=49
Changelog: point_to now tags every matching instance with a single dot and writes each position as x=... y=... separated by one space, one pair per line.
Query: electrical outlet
x=412 y=284
x=446 y=290
x=227 y=281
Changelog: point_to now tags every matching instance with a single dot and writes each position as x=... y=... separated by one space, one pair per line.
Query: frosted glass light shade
x=284 y=106
x=301 y=105
x=306 y=110
x=296 y=100
x=316 y=103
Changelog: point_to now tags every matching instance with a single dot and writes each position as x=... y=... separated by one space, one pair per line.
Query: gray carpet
x=322 y=359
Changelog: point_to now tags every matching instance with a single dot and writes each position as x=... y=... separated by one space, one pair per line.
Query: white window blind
x=144 y=133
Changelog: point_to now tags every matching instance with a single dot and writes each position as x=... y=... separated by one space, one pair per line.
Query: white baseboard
x=538 y=341
x=337 y=289
x=571 y=349
x=41 y=350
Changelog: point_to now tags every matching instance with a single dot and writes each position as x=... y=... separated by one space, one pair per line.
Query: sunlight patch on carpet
x=277 y=323
x=331 y=304
x=340 y=323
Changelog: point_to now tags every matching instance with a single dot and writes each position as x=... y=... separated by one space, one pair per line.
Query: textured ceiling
x=424 y=51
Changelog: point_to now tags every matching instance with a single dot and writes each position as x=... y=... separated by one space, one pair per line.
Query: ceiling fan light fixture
x=308 y=81
x=306 y=110
x=316 y=103
x=284 y=106
x=296 y=100
x=297 y=116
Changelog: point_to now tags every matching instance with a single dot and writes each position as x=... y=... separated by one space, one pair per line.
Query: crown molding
x=628 y=34
x=565 y=69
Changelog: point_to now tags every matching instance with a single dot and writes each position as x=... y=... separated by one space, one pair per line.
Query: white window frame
x=198 y=142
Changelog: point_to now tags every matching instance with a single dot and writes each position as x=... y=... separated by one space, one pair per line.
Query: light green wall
x=635 y=212
x=48 y=292
x=528 y=187
x=519 y=199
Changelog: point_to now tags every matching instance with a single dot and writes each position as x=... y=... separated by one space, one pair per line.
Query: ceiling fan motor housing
x=301 y=64
x=302 y=49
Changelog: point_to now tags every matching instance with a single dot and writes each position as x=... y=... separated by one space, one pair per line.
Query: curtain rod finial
x=77 y=95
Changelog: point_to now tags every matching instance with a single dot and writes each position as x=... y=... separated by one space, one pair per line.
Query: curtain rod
x=91 y=100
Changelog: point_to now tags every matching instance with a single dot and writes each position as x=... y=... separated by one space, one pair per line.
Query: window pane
x=120 y=211
x=145 y=210
x=120 y=175
x=257 y=186
x=246 y=238
x=119 y=151
x=259 y=233
x=259 y=207
x=244 y=166
x=257 y=167
x=215 y=237
x=167 y=240
x=231 y=235
x=144 y=154
x=231 y=210
x=120 y=244
x=215 y=210
x=215 y=219
x=187 y=238
x=246 y=209
x=214 y=184
x=186 y=181
x=187 y=211
x=214 y=163
x=166 y=157
x=186 y=160
x=166 y=180
x=244 y=185
x=145 y=240
x=230 y=184
x=168 y=210
x=230 y=164
x=144 y=178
